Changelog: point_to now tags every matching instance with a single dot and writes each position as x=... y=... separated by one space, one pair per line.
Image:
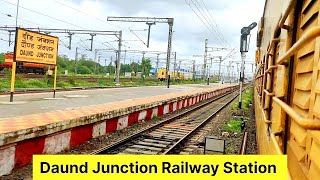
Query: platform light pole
x=244 y=47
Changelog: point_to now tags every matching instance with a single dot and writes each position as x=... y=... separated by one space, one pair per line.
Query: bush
x=234 y=125
x=7 y=72
x=247 y=99
x=72 y=80
x=35 y=83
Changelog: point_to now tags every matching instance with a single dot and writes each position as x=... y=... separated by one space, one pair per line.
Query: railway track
x=173 y=134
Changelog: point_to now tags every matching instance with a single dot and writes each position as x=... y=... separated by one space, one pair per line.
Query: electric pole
x=17 y=14
x=208 y=75
x=125 y=56
x=220 y=61
x=143 y=53
x=95 y=61
x=174 y=65
x=152 y=20
x=205 y=59
x=157 y=65
x=149 y=29
x=170 y=22
x=75 y=61
x=111 y=65
x=105 y=65
x=118 y=59
x=98 y=65
x=194 y=70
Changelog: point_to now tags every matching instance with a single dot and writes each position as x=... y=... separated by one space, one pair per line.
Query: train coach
x=287 y=84
x=23 y=67
x=179 y=75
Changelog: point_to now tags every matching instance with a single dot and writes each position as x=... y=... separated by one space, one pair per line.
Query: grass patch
x=47 y=82
x=247 y=99
x=156 y=118
x=234 y=125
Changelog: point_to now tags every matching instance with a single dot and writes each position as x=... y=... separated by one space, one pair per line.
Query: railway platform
x=41 y=125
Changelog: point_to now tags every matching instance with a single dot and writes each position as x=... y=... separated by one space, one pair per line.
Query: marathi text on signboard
x=35 y=47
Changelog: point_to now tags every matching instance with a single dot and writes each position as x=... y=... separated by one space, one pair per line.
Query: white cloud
x=188 y=38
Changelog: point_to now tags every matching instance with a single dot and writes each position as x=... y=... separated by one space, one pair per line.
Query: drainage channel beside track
x=171 y=135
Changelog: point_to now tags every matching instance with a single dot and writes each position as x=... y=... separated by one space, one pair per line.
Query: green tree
x=125 y=68
x=146 y=66
x=1 y=58
x=83 y=69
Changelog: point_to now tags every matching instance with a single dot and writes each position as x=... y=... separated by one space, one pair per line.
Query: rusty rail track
x=244 y=143
x=170 y=135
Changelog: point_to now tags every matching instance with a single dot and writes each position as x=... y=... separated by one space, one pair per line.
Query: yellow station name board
x=35 y=47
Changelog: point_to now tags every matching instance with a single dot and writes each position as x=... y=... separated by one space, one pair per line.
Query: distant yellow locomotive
x=287 y=85
x=162 y=75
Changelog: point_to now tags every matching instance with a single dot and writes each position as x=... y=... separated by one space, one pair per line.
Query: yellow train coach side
x=162 y=75
x=287 y=84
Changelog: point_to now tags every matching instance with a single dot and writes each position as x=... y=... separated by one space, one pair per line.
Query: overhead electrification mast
x=150 y=21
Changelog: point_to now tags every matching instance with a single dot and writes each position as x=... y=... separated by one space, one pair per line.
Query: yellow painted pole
x=13 y=78
x=55 y=81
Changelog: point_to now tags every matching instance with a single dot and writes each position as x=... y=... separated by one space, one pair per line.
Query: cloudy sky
x=194 y=21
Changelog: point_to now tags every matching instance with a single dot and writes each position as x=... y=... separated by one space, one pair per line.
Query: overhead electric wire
x=215 y=24
x=45 y=16
x=88 y=14
x=198 y=16
x=121 y=28
x=208 y=22
x=9 y=16
x=36 y=24
x=203 y=22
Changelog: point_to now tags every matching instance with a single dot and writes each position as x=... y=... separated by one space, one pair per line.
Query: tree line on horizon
x=86 y=65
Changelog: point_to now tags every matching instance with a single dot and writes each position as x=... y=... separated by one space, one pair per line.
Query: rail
x=178 y=144
x=130 y=139
x=244 y=143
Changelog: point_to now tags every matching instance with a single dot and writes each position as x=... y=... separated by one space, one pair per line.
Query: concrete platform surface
x=46 y=126
x=26 y=104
